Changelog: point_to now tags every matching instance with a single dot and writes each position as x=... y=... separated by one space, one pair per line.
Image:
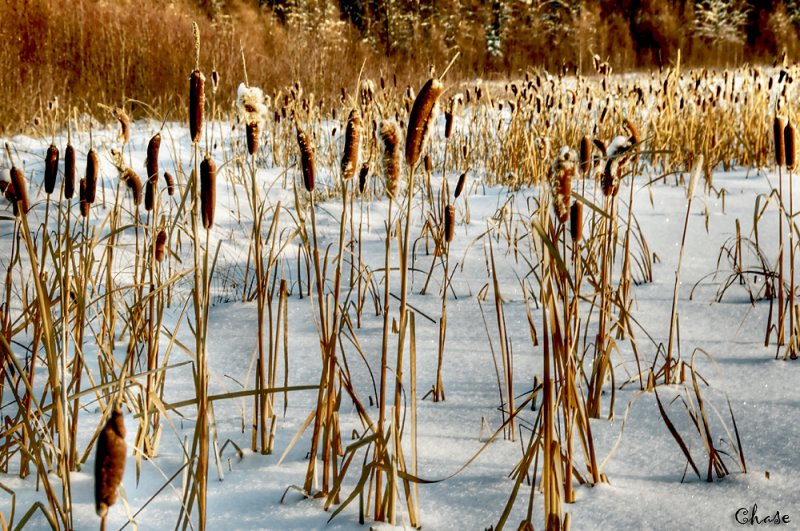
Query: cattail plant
x=203 y=200
x=252 y=111
x=790 y=154
x=447 y=236
x=350 y=156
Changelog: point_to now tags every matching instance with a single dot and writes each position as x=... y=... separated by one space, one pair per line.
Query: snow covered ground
x=645 y=489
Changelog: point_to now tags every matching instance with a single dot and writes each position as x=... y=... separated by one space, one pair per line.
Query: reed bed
x=105 y=303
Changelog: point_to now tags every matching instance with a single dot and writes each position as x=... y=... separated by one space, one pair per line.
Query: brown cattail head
x=69 y=172
x=20 y=190
x=428 y=164
x=306 y=159
x=462 y=180
x=8 y=191
x=84 y=201
x=352 y=140
x=252 y=132
x=50 y=169
x=563 y=170
x=586 y=154
x=170 y=180
x=152 y=157
x=576 y=221
x=449 y=222
x=419 y=121
x=789 y=145
x=448 y=123
x=208 y=190
x=161 y=243
x=197 y=82
x=363 y=175
x=132 y=181
x=780 y=147
x=391 y=157
x=92 y=167
x=109 y=465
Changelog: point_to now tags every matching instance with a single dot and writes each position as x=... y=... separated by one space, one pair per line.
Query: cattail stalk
x=778 y=126
x=790 y=154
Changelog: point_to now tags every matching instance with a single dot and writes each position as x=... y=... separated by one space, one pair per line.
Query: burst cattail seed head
x=391 y=157
x=208 y=190
x=69 y=172
x=161 y=242
x=197 y=83
x=170 y=180
x=50 y=169
x=449 y=222
x=780 y=147
x=420 y=119
x=562 y=172
x=306 y=160
x=20 y=190
x=124 y=125
x=789 y=145
x=460 y=184
x=352 y=140
x=92 y=167
x=576 y=221
x=109 y=465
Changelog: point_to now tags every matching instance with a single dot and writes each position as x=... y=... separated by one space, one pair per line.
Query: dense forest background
x=87 y=52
